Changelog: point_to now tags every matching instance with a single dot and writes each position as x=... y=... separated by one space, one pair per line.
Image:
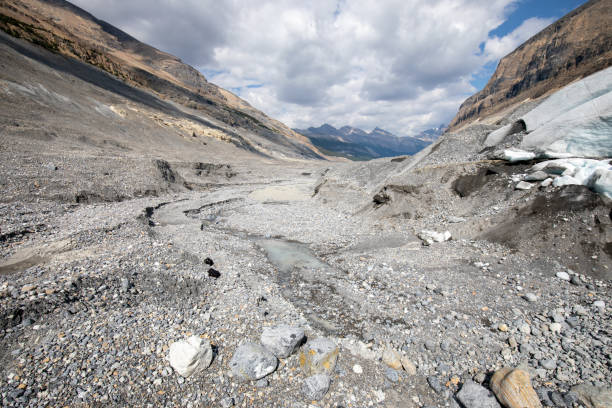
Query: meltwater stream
x=312 y=285
x=318 y=290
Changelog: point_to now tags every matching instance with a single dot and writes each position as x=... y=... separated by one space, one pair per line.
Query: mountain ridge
x=66 y=29
x=571 y=48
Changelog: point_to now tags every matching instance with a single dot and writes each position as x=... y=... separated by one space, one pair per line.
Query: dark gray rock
x=252 y=361
x=282 y=340
x=474 y=395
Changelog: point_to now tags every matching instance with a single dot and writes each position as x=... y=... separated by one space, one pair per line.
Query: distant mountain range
x=357 y=144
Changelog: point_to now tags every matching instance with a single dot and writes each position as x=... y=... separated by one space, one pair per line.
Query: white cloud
x=399 y=64
x=496 y=47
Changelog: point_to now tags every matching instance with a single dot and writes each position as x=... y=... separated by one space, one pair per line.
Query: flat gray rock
x=252 y=361
x=474 y=395
x=537 y=176
x=282 y=340
x=316 y=386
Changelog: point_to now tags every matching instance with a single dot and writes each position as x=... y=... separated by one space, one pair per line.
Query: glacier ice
x=595 y=174
x=574 y=121
x=516 y=155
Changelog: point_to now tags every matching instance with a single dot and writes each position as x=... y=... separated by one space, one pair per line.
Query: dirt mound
x=571 y=224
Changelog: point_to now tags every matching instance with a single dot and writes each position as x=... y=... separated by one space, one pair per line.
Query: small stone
x=262 y=383
x=27 y=288
x=575 y=280
x=282 y=340
x=526 y=349
x=513 y=389
x=530 y=297
x=480 y=377
x=213 y=273
x=319 y=356
x=555 y=327
x=430 y=345
x=316 y=386
x=190 y=356
x=125 y=285
x=523 y=185
x=563 y=275
x=548 y=364
x=392 y=358
x=435 y=384
x=600 y=304
x=580 y=310
x=209 y=262
x=227 y=402
x=502 y=327
x=525 y=328
x=391 y=374
x=512 y=342
x=506 y=353
x=357 y=369
x=252 y=361
x=473 y=395
x=408 y=365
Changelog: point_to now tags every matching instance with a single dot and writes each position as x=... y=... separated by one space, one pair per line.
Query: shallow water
x=287 y=256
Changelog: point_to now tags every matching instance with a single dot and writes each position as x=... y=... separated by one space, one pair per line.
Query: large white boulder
x=190 y=356
x=429 y=237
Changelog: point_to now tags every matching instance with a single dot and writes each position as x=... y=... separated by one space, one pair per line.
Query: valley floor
x=92 y=296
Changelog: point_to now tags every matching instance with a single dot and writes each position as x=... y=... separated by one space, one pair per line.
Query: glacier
x=575 y=121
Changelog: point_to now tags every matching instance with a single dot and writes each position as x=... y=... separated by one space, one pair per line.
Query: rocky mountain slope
x=63 y=28
x=357 y=144
x=571 y=48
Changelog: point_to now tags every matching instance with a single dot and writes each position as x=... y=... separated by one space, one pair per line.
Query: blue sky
x=545 y=9
x=401 y=65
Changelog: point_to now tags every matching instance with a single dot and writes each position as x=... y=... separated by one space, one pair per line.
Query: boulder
x=513 y=389
x=319 y=356
x=190 y=356
x=473 y=395
x=316 y=386
x=282 y=340
x=429 y=237
x=252 y=361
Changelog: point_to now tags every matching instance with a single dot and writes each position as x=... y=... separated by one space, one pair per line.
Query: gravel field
x=113 y=285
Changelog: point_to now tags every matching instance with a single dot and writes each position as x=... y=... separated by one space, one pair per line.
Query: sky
x=402 y=65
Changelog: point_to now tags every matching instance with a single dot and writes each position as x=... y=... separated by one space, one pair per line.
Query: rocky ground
x=93 y=295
